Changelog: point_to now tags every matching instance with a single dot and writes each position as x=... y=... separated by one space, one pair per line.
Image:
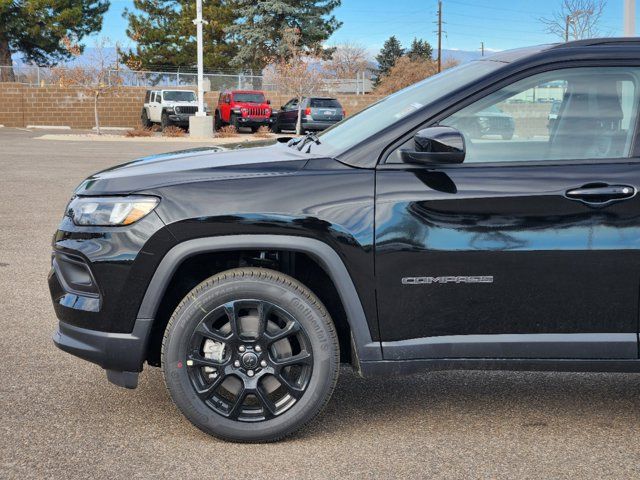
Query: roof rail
x=590 y=42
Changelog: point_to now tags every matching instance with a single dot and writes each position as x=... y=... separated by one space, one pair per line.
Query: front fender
x=366 y=349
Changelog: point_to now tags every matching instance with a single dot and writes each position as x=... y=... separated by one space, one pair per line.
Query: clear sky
x=501 y=24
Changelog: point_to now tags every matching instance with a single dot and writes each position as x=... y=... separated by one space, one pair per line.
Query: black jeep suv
x=394 y=241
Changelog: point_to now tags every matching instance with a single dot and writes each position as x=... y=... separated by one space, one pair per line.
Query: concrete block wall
x=22 y=105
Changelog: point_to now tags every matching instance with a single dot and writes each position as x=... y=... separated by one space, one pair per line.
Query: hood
x=194 y=165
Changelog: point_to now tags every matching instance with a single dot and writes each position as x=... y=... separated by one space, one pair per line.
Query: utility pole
x=439 y=36
x=629 y=18
x=566 y=28
x=200 y=125
x=482 y=48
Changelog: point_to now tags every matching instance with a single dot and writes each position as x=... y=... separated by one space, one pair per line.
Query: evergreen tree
x=262 y=24
x=35 y=28
x=420 y=50
x=391 y=51
x=166 y=36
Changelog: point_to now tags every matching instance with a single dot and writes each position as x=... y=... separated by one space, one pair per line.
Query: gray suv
x=317 y=113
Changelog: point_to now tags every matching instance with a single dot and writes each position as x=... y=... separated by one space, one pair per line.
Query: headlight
x=169 y=110
x=110 y=211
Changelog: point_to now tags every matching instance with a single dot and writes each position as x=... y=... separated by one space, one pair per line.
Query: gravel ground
x=61 y=418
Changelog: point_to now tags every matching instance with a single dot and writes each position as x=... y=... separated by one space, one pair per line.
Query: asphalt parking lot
x=61 y=418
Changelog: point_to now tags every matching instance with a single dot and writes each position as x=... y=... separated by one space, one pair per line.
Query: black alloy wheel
x=250 y=355
x=265 y=364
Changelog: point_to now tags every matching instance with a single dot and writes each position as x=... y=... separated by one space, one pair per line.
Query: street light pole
x=629 y=18
x=198 y=22
x=200 y=124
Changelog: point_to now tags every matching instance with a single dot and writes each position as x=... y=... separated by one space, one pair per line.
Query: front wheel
x=164 y=120
x=144 y=119
x=250 y=355
x=233 y=120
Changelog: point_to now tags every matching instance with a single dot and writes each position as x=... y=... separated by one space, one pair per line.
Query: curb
x=49 y=127
x=113 y=129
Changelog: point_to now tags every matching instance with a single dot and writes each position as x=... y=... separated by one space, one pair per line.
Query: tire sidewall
x=164 y=120
x=323 y=345
x=145 y=118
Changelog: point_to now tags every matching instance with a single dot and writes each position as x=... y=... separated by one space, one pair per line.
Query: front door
x=155 y=107
x=530 y=248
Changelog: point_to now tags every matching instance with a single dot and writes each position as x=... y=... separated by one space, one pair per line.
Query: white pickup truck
x=169 y=107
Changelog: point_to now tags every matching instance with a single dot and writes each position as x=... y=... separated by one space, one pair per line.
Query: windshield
x=179 y=96
x=248 y=97
x=391 y=109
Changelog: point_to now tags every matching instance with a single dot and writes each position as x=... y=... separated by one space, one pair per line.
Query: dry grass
x=173 y=131
x=139 y=131
x=227 y=131
x=263 y=132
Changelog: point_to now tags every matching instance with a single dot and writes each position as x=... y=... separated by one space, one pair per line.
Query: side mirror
x=268 y=102
x=436 y=145
x=282 y=107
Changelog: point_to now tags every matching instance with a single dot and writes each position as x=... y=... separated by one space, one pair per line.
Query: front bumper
x=97 y=281
x=180 y=119
x=121 y=354
x=255 y=122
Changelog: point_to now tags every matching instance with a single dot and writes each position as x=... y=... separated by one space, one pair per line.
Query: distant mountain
x=462 y=56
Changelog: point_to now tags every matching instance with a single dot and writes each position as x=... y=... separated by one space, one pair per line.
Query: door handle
x=601 y=194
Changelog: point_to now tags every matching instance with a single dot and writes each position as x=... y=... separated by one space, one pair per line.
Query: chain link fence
x=42 y=76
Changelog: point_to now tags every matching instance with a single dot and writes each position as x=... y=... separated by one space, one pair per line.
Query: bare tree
x=91 y=75
x=299 y=73
x=576 y=19
x=406 y=72
x=348 y=59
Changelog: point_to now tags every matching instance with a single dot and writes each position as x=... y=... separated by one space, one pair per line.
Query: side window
x=569 y=114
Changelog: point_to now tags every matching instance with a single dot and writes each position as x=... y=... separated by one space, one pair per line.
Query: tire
x=233 y=120
x=255 y=398
x=217 y=122
x=164 y=121
x=254 y=129
x=507 y=136
x=276 y=127
x=144 y=119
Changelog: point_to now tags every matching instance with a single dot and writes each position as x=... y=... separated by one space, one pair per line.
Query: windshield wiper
x=294 y=141
x=307 y=138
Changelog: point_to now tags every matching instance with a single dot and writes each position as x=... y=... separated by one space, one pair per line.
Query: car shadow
x=434 y=400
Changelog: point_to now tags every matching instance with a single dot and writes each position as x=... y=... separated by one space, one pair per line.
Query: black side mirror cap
x=431 y=158
x=436 y=145
x=268 y=102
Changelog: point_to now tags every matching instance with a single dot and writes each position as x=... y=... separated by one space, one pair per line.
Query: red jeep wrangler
x=243 y=108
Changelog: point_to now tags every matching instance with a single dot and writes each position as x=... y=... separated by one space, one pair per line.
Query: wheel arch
x=362 y=345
